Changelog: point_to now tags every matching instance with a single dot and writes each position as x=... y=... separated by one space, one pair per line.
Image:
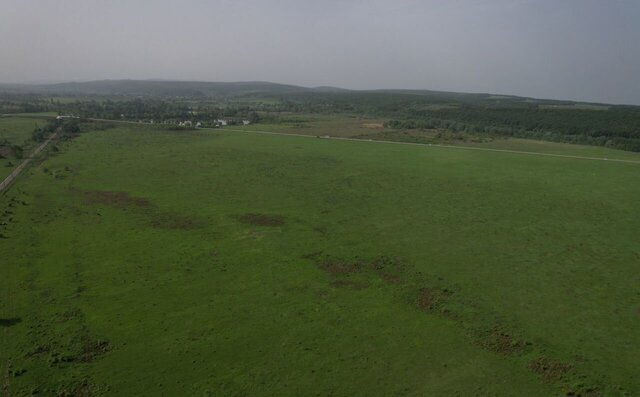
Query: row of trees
x=67 y=127
x=613 y=126
x=159 y=110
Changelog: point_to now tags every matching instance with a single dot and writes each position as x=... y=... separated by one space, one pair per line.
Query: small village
x=181 y=124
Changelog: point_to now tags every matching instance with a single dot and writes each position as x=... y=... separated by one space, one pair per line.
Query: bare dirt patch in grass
x=389 y=269
x=115 y=199
x=314 y=255
x=68 y=315
x=6 y=151
x=92 y=349
x=427 y=299
x=174 y=221
x=38 y=350
x=500 y=341
x=261 y=219
x=336 y=267
x=82 y=388
x=157 y=218
x=549 y=370
x=350 y=284
x=373 y=126
x=391 y=278
x=431 y=299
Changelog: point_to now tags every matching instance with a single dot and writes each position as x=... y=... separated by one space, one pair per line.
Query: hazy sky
x=573 y=49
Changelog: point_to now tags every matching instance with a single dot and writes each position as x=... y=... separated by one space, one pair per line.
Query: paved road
x=9 y=179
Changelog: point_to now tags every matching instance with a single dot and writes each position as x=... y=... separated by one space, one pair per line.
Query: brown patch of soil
x=115 y=199
x=92 y=349
x=80 y=389
x=426 y=299
x=338 y=267
x=174 y=221
x=69 y=315
x=501 y=342
x=374 y=126
x=386 y=268
x=262 y=219
x=431 y=299
x=6 y=151
x=391 y=278
x=549 y=371
x=38 y=350
x=311 y=255
x=355 y=285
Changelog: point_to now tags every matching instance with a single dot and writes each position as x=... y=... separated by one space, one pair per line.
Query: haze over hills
x=161 y=88
x=206 y=89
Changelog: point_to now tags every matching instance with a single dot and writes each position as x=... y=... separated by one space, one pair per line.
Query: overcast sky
x=569 y=49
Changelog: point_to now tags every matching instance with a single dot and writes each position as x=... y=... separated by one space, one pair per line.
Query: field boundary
x=437 y=145
x=16 y=172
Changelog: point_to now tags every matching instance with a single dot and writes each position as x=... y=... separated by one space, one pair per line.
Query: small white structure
x=246 y=122
x=221 y=122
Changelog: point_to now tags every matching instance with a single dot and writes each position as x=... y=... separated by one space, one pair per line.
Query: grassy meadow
x=371 y=128
x=15 y=131
x=139 y=261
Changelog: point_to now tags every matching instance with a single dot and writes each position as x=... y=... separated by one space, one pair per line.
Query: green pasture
x=137 y=261
x=15 y=131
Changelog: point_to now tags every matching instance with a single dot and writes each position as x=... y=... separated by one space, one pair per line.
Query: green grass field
x=147 y=262
x=16 y=131
x=366 y=128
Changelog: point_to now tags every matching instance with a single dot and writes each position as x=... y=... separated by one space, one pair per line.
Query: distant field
x=529 y=145
x=365 y=128
x=32 y=114
x=341 y=126
x=16 y=131
x=576 y=106
x=146 y=262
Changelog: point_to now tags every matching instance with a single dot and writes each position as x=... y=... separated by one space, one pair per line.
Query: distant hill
x=157 y=88
x=325 y=88
x=219 y=90
x=614 y=126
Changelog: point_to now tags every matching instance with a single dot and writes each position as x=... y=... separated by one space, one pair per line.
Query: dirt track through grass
x=9 y=179
x=523 y=152
x=440 y=146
